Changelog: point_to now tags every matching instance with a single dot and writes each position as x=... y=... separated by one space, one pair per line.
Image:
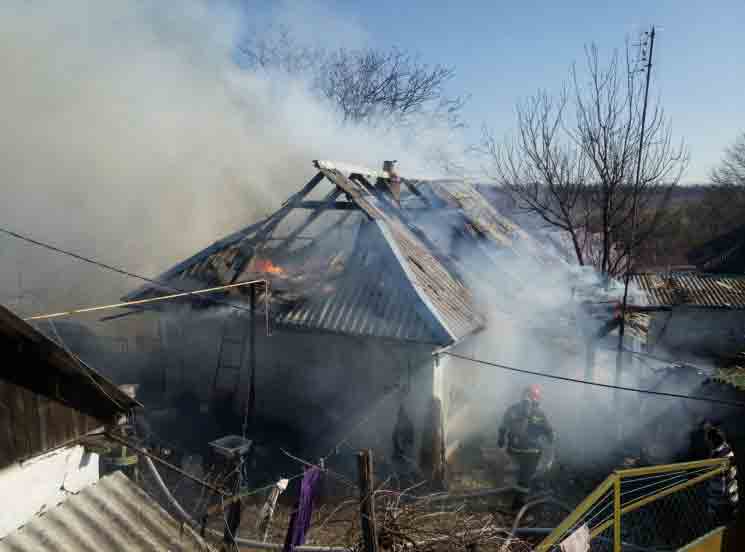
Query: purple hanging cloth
x=300 y=520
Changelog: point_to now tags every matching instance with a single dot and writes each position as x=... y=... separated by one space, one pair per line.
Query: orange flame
x=268 y=267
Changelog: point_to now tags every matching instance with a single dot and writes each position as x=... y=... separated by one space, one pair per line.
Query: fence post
x=367 y=503
x=617 y=513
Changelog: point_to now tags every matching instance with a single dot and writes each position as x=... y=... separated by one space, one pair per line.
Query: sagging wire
x=112 y=268
x=87 y=370
x=595 y=383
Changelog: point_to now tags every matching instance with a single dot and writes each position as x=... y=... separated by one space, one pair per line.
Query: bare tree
x=731 y=171
x=723 y=204
x=544 y=173
x=607 y=127
x=365 y=85
x=582 y=164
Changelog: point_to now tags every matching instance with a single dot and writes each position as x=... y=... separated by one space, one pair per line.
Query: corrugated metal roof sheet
x=447 y=298
x=693 y=289
x=113 y=515
x=371 y=298
x=431 y=289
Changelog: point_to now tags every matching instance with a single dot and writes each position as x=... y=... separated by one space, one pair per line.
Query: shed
x=49 y=400
x=694 y=314
x=50 y=397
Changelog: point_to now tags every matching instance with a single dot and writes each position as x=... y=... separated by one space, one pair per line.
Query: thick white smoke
x=131 y=134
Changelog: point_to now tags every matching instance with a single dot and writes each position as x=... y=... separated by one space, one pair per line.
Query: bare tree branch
x=365 y=85
x=576 y=171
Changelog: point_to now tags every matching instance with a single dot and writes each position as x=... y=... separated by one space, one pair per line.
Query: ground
x=336 y=518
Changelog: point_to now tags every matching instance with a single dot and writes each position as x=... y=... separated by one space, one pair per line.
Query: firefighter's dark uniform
x=403 y=449
x=522 y=428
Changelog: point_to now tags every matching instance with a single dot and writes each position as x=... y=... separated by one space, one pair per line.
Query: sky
x=505 y=51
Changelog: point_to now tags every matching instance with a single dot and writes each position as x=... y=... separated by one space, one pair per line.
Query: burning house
x=358 y=284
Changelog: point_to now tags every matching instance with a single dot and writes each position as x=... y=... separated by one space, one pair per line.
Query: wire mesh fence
x=656 y=508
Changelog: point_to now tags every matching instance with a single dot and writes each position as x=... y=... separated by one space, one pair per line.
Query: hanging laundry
x=300 y=520
x=579 y=541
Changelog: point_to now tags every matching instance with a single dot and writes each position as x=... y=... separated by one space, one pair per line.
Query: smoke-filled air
x=133 y=134
x=391 y=276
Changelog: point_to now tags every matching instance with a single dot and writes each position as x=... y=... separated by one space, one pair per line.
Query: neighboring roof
x=318 y=284
x=483 y=217
x=692 y=289
x=114 y=515
x=75 y=383
x=723 y=254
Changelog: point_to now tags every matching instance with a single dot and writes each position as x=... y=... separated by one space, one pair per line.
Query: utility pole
x=648 y=36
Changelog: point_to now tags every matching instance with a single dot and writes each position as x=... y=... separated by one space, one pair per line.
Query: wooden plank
x=42 y=407
x=367 y=503
x=328 y=199
x=246 y=249
x=32 y=420
x=8 y=444
x=337 y=205
x=267 y=511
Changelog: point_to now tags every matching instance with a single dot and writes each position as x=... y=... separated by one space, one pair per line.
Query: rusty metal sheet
x=693 y=289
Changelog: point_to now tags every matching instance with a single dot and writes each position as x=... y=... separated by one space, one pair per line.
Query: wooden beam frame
x=246 y=252
x=337 y=205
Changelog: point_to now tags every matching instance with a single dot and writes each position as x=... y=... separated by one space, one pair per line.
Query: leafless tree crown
x=731 y=171
x=365 y=84
x=573 y=159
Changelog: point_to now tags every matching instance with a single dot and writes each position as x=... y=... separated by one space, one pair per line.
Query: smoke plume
x=131 y=134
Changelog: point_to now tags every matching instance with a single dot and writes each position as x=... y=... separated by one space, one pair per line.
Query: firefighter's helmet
x=533 y=392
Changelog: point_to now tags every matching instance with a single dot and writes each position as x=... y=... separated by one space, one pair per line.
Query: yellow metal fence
x=658 y=507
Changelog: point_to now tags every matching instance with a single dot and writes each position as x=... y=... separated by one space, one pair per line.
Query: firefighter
x=526 y=432
x=722 y=490
x=403 y=449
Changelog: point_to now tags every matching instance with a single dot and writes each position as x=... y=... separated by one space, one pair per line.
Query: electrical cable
x=112 y=268
x=594 y=383
x=334 y=450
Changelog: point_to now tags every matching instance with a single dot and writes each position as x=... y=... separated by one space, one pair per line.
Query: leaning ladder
x=231 y=354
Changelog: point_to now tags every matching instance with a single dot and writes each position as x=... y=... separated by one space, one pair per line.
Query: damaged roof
x=692 y=289
x=112 y=514
x=408 y=289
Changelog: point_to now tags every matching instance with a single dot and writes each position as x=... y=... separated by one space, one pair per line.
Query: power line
x=143 y=301
x=596 y=384
x=112 y=268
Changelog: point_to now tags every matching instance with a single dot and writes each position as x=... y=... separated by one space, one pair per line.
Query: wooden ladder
x=231 y=354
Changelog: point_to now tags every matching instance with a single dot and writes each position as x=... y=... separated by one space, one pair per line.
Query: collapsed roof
x=359 y=261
